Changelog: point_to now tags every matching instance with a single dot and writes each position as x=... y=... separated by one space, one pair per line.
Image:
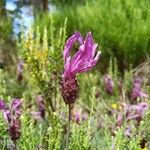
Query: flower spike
x=84 y=59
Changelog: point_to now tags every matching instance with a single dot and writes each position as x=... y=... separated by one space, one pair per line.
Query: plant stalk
x=15 y=145
x=68 y=127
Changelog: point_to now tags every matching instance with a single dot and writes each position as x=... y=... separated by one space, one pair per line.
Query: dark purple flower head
x=20 y=70
x=14 y=130
x=69 y=90
x=109 y=84
x=84 y=59
x=136 y=90
x=11 y=116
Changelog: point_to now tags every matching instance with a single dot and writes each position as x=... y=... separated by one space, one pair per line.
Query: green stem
x=15 y=145
x=68 y=128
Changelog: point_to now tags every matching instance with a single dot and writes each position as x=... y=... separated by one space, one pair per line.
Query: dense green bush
x=62 y=3
x=120 y=27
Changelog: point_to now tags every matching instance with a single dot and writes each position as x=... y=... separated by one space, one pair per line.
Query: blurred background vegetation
x=120 y=27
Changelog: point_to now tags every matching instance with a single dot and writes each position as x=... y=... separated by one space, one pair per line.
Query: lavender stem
x=68 y=127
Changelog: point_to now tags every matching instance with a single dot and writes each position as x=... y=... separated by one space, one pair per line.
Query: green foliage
x=43 y=59
x=145 y=125
x=62 y=3
x=81 y=133
x=9 y=85
x=120 y=27
x=93 y=133
x=122 y=142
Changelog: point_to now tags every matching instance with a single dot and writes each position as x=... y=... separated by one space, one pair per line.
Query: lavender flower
x=136 y=112
x=11 y=116
x=84 y=60
x=120 y=119
x=132 y=112
x=128 y=131
x=84 y=117
x=40 y=114
x=109 y=84
x=136 y=90
x=2 y=104
x=20 y=70
x=78 y=117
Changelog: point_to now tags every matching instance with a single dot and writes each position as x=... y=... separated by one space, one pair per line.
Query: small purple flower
x=109 y=84
x=7 y=115
x=20 y=70
x=16 y=107
x=11 y=116
x=40 y=114
x=77 y=117
x=84 y=59
x=136 y=90
x=132 y=112
x=137 y=111
x=128 y=131
x=2 y=104
x=84 y=117
x=41 y=105
x=119 y=119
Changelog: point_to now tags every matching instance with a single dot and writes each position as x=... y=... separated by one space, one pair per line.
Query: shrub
x=120 y=27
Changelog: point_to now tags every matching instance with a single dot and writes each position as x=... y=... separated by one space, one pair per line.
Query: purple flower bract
x=84 y=59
